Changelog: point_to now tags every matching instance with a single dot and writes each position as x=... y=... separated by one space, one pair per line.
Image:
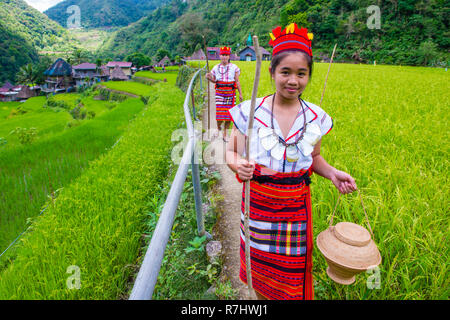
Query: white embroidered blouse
x=314 y=115
x=226 y=73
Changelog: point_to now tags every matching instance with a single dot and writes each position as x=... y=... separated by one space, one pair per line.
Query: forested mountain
x=24 y=31
x=104 y=13
x=412 y=32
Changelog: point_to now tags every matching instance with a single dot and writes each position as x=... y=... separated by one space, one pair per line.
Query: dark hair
x=276 y=60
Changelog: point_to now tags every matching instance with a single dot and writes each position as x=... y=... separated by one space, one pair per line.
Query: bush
x=25 y=136
x=78 y=113
x=184 y=76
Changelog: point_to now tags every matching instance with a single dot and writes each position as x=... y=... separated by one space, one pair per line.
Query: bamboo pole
x=207 y=88
x=326 y=79
x=251 y=292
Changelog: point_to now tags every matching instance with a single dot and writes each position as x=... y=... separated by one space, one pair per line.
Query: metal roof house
x=88 y=74
x=214 y=54
x=7 y=92
x=248 y=54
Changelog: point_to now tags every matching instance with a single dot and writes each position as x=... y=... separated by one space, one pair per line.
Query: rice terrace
x=86 y=167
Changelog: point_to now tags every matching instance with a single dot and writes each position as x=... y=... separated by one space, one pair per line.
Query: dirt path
x=231 y=189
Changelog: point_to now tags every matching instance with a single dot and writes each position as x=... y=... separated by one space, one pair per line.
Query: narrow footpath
x=229 y=221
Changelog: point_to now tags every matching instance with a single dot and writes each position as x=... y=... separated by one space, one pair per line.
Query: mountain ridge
x=410 y=32
x=24 y=31
x=104 y=13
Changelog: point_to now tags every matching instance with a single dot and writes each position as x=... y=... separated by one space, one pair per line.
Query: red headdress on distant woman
x=225 y=50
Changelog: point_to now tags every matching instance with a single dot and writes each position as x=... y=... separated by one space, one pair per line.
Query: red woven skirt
x=225 y=99
x=281 y=238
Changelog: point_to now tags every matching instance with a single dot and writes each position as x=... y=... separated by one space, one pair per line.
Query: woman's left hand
x=343 y=182
x=241 y=98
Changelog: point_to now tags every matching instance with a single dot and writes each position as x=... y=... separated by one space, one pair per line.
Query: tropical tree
x=138 y=59
x=78 y=56
x=26 y=74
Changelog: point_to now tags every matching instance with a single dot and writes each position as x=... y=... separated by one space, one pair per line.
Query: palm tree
x=26 y=74
x=77 y=56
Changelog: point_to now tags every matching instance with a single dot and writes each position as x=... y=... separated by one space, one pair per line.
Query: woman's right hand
x=209 y=76
x=245 y=169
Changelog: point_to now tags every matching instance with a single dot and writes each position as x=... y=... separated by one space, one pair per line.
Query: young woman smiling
x=285 y=150
x=226 y=77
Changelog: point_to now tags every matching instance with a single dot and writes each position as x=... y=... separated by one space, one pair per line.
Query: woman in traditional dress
x=226 y=77
x=284 y=152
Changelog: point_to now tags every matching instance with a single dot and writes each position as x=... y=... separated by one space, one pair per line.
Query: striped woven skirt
x=225 y=99
x=281 y=239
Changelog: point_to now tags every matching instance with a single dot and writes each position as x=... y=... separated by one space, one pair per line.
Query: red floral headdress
x=225 y=50
x=291 y=38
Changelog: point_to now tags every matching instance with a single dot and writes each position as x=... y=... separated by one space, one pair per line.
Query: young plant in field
x=198 y=244
x=25 y=135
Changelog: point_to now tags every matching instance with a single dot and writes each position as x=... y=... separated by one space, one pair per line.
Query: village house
x=124 y=66
x=88 y=74
x=17 y=93
x=164 y=62
x=248 y=54
x=7 y=93
x=59 y=77
x=25 y=92
x=117 y=74
x=213 y=54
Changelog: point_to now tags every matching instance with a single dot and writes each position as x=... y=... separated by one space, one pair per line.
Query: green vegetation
x=185 y=271
x=104 y=13
x=413 y=32
x=24 y=32
x=392 y=137
x=170 y=76
x=129 y=86
x=61 y=152
x=96 y=223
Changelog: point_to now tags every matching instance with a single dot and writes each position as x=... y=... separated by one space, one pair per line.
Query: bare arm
x=342 y=180
x=238 y=86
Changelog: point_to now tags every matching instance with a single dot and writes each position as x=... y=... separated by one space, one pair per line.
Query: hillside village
x=62 y=77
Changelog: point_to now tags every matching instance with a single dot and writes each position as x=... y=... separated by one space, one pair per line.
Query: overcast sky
x=42 y=5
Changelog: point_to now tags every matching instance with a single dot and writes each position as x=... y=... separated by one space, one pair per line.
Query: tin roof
x=121 y=64
x=85 y=66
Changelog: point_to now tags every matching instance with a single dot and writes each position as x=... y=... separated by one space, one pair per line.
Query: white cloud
x=42 y=5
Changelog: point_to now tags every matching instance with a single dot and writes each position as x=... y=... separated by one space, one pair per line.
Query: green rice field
x=391 y=134
x=170 y=76
x=30 y=173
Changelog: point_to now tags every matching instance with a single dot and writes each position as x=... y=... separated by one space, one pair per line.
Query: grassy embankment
x=96 y=223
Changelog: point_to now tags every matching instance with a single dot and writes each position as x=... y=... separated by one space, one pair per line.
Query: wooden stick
x=326 y=79
x=209 y=100
x=251 y=292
